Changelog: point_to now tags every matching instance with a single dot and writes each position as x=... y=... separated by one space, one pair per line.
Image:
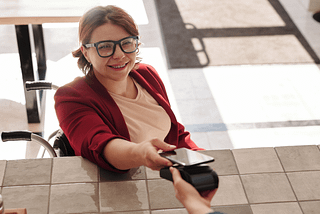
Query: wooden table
x=252 y=181
x=23 y=13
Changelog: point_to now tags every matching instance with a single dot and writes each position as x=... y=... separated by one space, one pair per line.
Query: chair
x=61 y=146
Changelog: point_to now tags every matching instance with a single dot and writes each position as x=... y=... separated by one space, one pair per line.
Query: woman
x=117 y=116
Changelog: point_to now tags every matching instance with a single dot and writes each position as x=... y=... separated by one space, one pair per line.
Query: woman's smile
x=118 y=66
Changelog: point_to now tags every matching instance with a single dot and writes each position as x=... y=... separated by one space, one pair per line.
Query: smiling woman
x=118 y=115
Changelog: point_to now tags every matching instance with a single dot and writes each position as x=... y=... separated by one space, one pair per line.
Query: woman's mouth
x=118 y=66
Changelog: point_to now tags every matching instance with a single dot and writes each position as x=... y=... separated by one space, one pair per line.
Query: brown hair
x=96 y=17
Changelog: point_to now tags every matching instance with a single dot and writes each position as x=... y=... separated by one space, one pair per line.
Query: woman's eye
x=105 y=46
x=127 y=43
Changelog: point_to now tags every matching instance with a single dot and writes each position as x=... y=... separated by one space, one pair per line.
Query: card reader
x=202 y=177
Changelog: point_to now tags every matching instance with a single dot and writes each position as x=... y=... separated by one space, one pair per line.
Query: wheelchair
x=61 y=146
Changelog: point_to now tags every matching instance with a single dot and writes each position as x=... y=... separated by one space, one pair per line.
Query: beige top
x=144 y=117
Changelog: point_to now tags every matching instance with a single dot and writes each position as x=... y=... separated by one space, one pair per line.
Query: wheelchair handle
x=40 y=85
x=28 y=136
x=16 y=136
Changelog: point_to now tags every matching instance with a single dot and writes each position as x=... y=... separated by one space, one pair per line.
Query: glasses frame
x=96 y=44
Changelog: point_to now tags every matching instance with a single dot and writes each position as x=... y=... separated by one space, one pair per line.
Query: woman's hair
x=96 y=17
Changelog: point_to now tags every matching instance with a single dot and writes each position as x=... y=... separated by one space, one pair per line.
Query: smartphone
x=187 y=157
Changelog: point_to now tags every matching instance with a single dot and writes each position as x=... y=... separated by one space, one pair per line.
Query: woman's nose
x=118 y=53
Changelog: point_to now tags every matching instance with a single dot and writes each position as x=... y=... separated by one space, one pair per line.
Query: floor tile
x=266 y=50
x=198 y=111
x=130 y=212
x=162 y=195
x=74 y=198
x=299 y=158
x=189 y=84
x=133 y=174
x=12 y=102
x=13 y=86
x=310 y=207
x=123 y=196
x=3 y=165
x=267 y=188
x=220 y=140
x=230 y=192
x=210 y=140
x=68 y=170
x=34 y=198
x=224 y=163
x=306 y=185
x=275 y=137
x=241 y=209
x=257 y=160
x=170 y=211
x=265 y=93
x=208 y=127
x=278 y=208
x=152 y=174
x=37 y=171
x=236 y=14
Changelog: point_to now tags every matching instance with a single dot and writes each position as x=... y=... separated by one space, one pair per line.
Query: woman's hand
x=124 y=155
x=148 y=151
x=192 y=200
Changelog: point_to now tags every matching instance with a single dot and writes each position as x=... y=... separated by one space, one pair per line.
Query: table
x=252 y=181
x=22 y=13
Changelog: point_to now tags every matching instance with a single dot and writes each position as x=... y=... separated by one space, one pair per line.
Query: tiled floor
x=261 y=102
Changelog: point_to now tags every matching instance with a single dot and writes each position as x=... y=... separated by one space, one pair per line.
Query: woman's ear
x=85 y=53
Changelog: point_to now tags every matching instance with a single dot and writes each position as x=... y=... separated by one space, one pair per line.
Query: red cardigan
x=90 y=118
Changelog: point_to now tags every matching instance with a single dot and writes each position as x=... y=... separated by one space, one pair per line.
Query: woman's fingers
x=152 y=157
x=162 y=145
x=156 y=161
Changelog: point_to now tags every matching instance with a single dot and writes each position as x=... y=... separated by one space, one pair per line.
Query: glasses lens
x=129 y=45
x=105 y=48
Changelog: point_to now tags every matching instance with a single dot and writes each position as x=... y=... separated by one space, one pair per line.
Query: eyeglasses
x=108 y=47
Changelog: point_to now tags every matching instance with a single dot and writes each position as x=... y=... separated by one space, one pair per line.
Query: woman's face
x=116 y=67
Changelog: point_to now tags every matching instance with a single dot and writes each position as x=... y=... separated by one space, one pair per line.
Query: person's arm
x=124 y=155
x=189 y=196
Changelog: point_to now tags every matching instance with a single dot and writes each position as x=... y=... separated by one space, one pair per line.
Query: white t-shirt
x=144 y=117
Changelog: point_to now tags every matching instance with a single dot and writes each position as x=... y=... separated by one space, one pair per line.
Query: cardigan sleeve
x=87 y=128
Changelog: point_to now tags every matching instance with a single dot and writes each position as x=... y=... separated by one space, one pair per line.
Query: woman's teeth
x=118 y=66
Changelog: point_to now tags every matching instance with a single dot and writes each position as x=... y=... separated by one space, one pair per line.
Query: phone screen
x=187 y=157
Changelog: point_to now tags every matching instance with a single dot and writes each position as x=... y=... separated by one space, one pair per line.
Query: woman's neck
x=125 y=88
